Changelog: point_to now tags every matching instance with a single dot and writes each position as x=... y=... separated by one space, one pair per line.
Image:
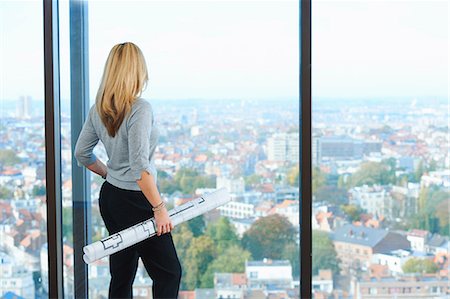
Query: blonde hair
x=124 y=77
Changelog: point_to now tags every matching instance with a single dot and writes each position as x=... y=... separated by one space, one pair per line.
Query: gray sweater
x=130 y=151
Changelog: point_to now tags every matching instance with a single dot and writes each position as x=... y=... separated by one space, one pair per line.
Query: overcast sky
x=244 y=49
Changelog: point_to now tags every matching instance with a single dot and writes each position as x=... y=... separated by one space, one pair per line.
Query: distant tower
x=23 y=107
x=283 y=147
x=194 y=117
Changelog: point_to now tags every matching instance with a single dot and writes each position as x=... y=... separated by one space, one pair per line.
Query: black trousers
x=121 y=209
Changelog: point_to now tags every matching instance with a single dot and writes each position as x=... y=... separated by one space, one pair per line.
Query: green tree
x=38 y=190
x=223 y=234
x=268 y=236
x=182 y=237
x=6 y=193
x=199 y=255
x=8 y=157
x=352 y=211
x=252 y=180
x=324 y=255
x=293 y=176
x=292 y=253
x=231 y=261
x=371 y=173
x=416 y=265
x=420 y=170
x=331 y=194
x=188 y=180
x=197 y=225
x=318 y=179
x=433 y=211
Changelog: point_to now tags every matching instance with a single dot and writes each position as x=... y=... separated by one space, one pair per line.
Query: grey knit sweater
x=129 y=152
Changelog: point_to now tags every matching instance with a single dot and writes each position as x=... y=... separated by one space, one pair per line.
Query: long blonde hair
x=124 y=77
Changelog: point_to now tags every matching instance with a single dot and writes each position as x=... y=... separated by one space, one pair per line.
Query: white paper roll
x=147 y=228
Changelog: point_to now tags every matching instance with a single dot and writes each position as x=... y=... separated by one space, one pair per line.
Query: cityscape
x=381 y=187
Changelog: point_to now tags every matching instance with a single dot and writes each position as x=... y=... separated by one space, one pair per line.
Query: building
x=236 y=186
x=344 y=147
x=394 y=260
x=230 y=285
x=15 y=278
x=323 y=282
x=374 y=199
x=418 y=238
x=404 y=286
x=355 y=245
x=283 y=147
x=269 y=274
x=239 y=210
x=23 y=107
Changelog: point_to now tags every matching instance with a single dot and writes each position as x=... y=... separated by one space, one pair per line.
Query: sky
x=243 y=49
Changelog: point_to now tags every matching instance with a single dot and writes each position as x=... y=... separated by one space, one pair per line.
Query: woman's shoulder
x=140 y=109
x=141 y=103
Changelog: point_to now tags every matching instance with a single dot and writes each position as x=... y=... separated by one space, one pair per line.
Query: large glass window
x=23 y=216
x=224 y=88
x=380 y=148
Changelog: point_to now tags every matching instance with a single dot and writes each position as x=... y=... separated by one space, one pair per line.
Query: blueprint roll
x=147 y=228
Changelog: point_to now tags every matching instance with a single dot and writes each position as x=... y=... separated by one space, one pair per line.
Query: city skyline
x=232 y=58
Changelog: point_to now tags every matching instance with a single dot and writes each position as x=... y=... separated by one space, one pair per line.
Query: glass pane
x=380 y=148
x=23 y=225
x=66 y=151
x=224 y=89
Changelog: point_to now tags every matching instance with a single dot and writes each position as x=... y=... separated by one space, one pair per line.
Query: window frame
x=81 y=177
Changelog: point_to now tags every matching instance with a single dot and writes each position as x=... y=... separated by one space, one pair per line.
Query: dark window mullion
x=305 y=146
x=53 y=149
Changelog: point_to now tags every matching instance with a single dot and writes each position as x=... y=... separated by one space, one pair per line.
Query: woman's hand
x=163 y=222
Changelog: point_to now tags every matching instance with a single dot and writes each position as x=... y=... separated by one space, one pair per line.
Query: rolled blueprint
x=147 y=228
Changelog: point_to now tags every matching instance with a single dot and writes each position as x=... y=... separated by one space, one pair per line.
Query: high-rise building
x=344 y=148
x=283 y=147
x=23 y=107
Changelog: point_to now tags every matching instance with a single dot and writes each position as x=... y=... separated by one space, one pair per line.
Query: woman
x=124 y=122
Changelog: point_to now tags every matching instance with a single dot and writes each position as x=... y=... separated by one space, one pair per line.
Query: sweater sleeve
x=139 y=129
x=87 y=140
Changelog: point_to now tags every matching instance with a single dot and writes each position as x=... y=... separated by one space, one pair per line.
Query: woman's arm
x=148 y=186
x=98 y=167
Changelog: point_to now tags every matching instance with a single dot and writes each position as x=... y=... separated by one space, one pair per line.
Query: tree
x=416 y=265
x=6 y=193
x=433 y=211
x=231 y=261
x=371 y=173
x=331 y=194
x=318 y=179
x=182 y=237
x=199 y=255
x=8 y=157
x=188 y=180
x=293 y=176
x=324 y=255
x=352 y=211
x=185 y=180
x=38 y=190
x=197 y=225
x=223 y=234
x=252 y=180
x=292 y=253
x=268 y=236
x=442 y=215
